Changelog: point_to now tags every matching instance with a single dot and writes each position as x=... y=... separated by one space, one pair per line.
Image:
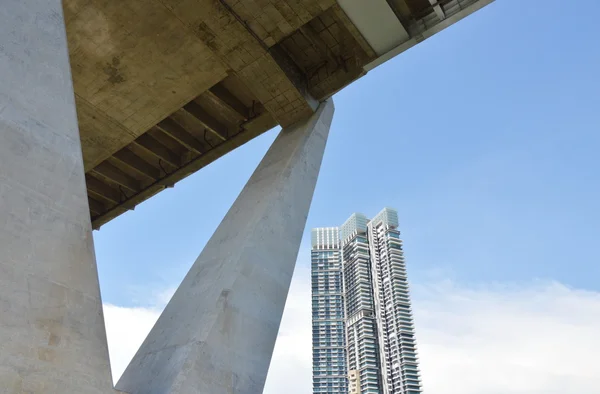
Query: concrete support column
x=217 y=334
x=52 y=337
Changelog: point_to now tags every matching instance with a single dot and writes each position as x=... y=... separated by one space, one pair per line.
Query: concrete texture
x=137 y=62
x=52 y=337
x=218 y=332
x=165 y=87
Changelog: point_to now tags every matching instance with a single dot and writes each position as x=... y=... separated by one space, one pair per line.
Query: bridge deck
x=165 y=87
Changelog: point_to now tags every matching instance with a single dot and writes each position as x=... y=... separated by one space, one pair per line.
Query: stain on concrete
x=45 y=354
x=54 y=340
x=112 y=70
x=207 y=36
x=226 y=317
x=224 y=296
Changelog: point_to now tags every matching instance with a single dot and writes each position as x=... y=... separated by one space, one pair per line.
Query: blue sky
x=484 y=138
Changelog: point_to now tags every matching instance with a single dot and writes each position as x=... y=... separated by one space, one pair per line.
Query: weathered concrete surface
x=218 y=332
x=52 y=337
x=165 y=87
x=136 y=62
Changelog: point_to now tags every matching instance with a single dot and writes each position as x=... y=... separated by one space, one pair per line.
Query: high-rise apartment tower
x=329 y=359
x=363 y=333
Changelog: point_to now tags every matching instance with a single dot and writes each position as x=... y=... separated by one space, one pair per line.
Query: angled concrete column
x=217 y=334
x=52 y=337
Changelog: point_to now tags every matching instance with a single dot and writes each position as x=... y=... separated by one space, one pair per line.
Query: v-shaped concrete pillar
x=217 y=334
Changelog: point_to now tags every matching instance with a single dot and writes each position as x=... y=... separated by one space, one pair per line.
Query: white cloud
x=537 y=339
x=126 y=329
x=540 y=338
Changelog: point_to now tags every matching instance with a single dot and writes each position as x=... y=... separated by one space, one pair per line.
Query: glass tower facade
x=329 y=354
x=359 y=316
x=360 y=279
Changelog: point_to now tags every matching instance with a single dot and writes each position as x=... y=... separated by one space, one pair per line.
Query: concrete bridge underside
x=165 y=87
x=104 y=103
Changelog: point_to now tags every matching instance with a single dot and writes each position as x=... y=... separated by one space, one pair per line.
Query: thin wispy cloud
x=535 y=338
